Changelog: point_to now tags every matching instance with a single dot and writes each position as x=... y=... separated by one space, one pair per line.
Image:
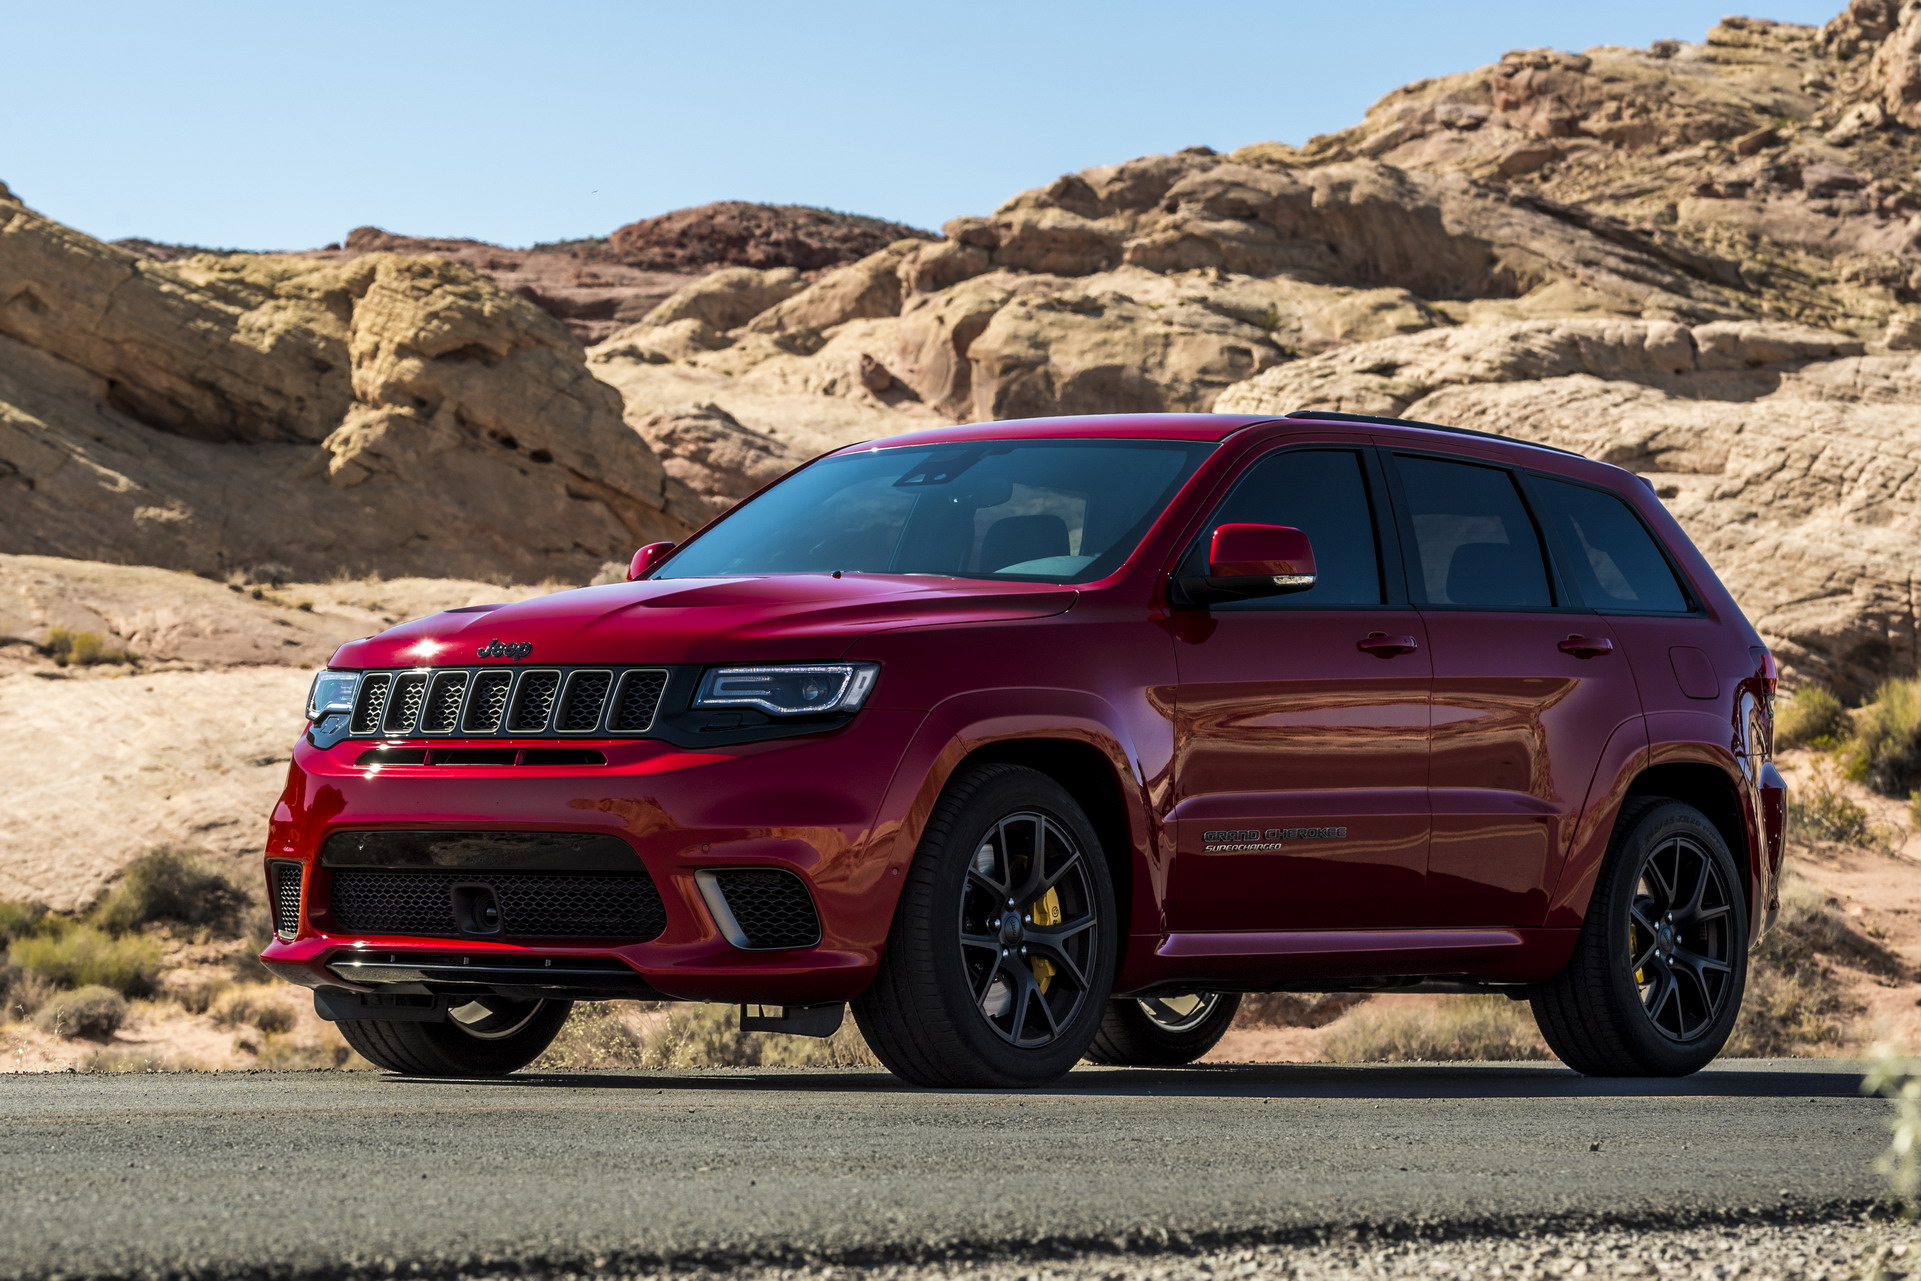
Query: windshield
x=1063 y=511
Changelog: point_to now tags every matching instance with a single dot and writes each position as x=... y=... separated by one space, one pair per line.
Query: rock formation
x=398 y=414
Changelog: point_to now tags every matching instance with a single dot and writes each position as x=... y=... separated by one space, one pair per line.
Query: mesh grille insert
x=545 y=905
x=489 y=704
x=372 y=703
x=443 y=703
x=403 y=705
x=532 y=701
x=286 y=899
x=580 y=709
x=771 y=906
x=636 y=701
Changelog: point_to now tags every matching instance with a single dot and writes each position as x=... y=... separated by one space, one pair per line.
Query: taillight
x=1770 y=670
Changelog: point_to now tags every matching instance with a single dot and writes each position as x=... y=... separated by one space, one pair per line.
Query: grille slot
x=580 y=706
x=442 y=712
x=636 y=700
x=286 y=900
x=370 y=707
x=534 y=905
x=770 y=908
x=488 y=707
x=403 y=704
x=533 y=700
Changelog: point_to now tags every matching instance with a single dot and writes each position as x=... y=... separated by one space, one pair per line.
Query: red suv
x=1043 y=740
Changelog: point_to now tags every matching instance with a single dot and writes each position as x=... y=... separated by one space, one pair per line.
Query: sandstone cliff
x=392 y=413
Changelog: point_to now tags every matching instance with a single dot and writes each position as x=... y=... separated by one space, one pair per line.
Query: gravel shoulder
x=338 y=1173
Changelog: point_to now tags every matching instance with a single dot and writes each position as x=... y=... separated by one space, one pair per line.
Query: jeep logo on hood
x=505 y=649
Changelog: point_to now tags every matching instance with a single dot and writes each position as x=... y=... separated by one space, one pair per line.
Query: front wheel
x=1656 y=980
x=487 y=1036
x=1001 y=955
x=1162 y=1031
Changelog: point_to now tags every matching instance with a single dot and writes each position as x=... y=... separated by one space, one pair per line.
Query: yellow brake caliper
x=1046 y=911
x=1634 y=949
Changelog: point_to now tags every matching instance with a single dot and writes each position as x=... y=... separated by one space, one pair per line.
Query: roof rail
x=1332 y=416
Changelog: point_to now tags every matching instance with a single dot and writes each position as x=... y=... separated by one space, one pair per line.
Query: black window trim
x=1380 y=505
x=1566 y=601
x=1530 y=477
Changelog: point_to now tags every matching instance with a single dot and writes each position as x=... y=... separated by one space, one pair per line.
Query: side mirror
x=1245 y=561
x=646 y=558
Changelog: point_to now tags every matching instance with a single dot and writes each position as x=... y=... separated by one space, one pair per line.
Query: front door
x=1302 y=721
x=1528 y=687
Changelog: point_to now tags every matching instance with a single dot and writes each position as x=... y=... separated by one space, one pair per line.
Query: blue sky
x=281 y=125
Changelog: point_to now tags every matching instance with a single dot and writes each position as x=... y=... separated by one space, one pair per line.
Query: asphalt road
x=324 y=1173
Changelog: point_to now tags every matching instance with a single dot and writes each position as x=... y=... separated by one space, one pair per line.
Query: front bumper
x=810 y=806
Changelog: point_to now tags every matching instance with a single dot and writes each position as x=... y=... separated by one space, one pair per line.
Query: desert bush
x=21 y=993
x=182 y=886
x=696 y=1035
x=1795 y=1005
x=196 y=993
x=1818 y=810
x=17 y=919
x=1811 y=717
x=1445 y=1029
x=1885 y=752
x=83 y=955
x=1896 y=1077
x=258 y=1006
x=595 y=1036
x=279 y=1053
x=92 y=1012
x=81 y=649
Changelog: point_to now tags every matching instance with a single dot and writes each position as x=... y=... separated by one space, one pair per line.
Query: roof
x=1330 y=416
x=1212 y=427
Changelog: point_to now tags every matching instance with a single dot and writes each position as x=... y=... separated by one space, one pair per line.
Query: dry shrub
x=1295 y=1009
x=1818 y=810
x=255 y=1005
x=1794 y=1004
x=597 y=1036
x=1444 y=1029
x=94 y=1013
x=81 y=956
x=180 y=886
x=1811 y=717
x=18 y=920
x=116 y=1061
x=279 y=1053
x=1885 y=752
x=195 y=992
x=22 y=993
x=695 y=1036
x=81 y=649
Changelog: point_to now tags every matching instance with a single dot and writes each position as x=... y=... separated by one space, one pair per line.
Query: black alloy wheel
x=1660 y=964
x=1163 y=1030
x=1002 y=950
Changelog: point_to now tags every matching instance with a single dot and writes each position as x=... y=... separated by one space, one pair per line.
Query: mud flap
x=794 y=1020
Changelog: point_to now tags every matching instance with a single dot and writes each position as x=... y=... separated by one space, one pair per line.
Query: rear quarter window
x=1614 y=560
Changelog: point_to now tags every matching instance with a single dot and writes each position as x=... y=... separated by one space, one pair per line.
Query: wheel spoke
x=1069 y=967
x=1049 y=882
x=1055 y=938
x=1663 y=884
x=1699 y=983
x=1700 y=890
x=1702 y=961
x=1707 y=914
x=987 y=942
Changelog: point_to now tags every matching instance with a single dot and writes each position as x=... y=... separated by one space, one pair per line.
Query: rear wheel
x=1657 y=976
x=1002 y=950
x=487 y=1036
x=1162 y=1031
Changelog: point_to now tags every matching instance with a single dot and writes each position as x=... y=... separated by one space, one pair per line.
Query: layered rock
x=738 y=233
x=394 y=414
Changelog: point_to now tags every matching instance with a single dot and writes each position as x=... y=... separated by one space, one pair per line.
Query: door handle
x=1587 y=646
x=1381 y=645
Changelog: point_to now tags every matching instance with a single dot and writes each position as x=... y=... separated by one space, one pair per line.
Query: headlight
x=331 y=692
x=790 y=689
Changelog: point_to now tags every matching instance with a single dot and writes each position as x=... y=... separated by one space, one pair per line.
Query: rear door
x=1301 y=752
x=1528 y=686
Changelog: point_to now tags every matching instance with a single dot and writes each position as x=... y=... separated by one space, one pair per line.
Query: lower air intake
x=770 y=908
x=286 y=900
x=531 y=905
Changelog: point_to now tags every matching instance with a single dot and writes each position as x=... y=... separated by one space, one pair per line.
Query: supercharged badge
x=1255 y=839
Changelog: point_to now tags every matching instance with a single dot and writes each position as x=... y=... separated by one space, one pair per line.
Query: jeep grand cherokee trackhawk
x=1039 y=741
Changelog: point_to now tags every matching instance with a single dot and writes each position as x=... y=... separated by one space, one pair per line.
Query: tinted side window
x=1324 y=494
x=1474 y=544
x=1616 y=562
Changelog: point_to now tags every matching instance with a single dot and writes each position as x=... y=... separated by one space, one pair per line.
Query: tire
x=963 y=1000
x=485 y=1038
x=1659 y=969
x=1162 y=1031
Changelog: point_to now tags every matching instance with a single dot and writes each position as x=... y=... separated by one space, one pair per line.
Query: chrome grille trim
x=508 y=702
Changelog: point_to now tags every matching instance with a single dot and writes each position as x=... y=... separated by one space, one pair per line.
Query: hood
x=781 y=618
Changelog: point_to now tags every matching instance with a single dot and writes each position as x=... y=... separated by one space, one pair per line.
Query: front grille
x=770 y=907
x=533 y=905
x=286 y=900
x=509 y=702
